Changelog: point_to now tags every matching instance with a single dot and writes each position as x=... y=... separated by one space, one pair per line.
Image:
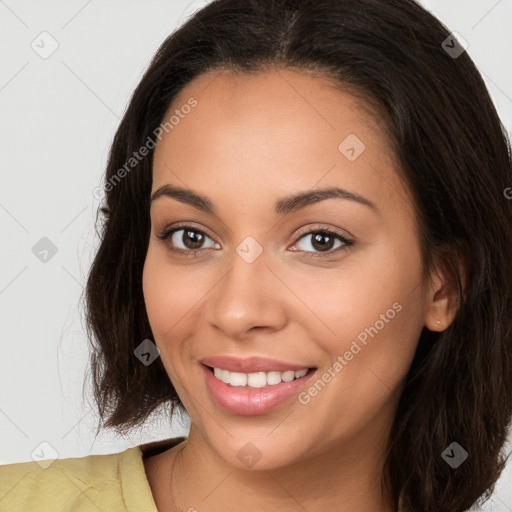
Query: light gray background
x=58 y=117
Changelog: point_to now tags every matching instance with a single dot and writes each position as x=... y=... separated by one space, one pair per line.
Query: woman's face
x=277 y=159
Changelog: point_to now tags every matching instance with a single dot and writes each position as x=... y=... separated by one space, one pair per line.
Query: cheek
x=377 y=317
x=170 y=291
x=372 y=312
x=367 y=289
x=175 y=295
x=169 y=294
x=168 y=298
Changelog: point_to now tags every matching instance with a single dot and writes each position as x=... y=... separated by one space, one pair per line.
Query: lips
x=247 y=400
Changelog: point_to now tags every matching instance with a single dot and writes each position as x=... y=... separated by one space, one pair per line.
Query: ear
x=442 y=299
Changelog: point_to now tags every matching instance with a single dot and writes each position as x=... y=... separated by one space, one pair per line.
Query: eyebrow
x=282 y=206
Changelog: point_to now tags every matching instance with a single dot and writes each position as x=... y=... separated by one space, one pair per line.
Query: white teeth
x=288 y=376
x=257 y=379
x=273 y=378
x=237 y=379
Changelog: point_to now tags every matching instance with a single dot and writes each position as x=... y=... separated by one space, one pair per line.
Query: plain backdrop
x=61 y=101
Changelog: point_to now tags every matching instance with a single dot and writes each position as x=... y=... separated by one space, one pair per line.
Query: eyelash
x=166 y=234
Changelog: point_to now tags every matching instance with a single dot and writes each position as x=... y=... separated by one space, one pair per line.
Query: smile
x=257 y=379
x=254 y=385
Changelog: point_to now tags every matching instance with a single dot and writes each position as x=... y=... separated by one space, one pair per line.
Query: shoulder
x=79 y=484
x=113 y=482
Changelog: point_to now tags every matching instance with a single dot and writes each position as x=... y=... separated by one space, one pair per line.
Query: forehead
x=280 y=101
x=272 y=130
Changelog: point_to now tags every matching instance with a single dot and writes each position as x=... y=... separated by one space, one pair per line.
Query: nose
x=249 y=298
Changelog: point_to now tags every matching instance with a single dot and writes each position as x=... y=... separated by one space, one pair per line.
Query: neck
x=341 y=478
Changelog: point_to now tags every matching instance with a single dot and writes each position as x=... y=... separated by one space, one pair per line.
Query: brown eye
x=192 y=239
x=187 y=239
x=322 y=242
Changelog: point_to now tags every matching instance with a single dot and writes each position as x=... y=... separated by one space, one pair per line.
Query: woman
x=307 y=245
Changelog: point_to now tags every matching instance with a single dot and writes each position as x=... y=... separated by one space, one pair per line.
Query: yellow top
x=96 y=483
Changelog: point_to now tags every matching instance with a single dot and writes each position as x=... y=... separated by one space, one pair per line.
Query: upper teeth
x=258 y=379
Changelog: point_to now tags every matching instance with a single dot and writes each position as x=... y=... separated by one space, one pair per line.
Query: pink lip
x=250 y=364
x=248 y=401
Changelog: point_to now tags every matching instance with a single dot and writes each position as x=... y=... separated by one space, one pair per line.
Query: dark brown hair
x=453 y=154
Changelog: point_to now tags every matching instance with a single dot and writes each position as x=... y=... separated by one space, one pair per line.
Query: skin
x=250 y=141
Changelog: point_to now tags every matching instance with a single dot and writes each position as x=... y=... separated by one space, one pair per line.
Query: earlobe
x=442 y=301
